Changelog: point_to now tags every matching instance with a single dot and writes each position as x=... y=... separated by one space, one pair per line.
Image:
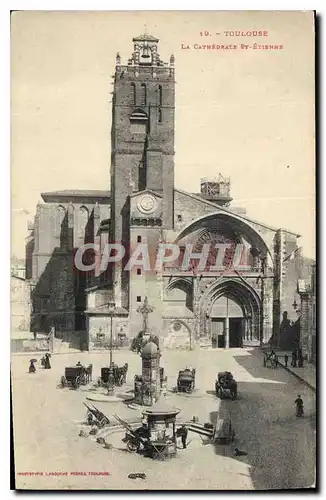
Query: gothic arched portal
x=231 y=310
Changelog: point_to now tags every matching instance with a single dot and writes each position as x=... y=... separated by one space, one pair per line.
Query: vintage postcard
x=163 y=279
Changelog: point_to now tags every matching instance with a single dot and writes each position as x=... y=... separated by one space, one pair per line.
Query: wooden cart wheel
x=132 y=446
x=63 y=381
x=83 y=379
x=77 y=382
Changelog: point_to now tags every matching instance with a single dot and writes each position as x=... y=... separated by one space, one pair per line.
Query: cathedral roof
x=145 y=38
x=230 y=212
x=86 y=195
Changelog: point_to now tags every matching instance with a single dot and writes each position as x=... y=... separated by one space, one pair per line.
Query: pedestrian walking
x=294 y=359
x=47 y=364
x=299 y=404
x=300 y=359
x=183 y=433
x=286 y=359
x=32 y=368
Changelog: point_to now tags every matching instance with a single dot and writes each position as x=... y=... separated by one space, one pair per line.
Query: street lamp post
x=110 y=374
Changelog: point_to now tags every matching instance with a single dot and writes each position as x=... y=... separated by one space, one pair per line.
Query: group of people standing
x=45 y=362
x=297 y=359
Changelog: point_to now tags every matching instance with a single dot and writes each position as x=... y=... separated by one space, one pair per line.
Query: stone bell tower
x=142 y=137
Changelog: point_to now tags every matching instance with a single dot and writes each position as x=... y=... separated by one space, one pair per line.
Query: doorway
x=235 y=332
x=218 y=331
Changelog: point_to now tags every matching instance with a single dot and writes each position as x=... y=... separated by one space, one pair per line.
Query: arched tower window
x=82 y=219
x=59 y=216
x=133 y=93
x=143 y=94
x=159 y=95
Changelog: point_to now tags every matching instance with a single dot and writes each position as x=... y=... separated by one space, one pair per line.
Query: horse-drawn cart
x=119 y=375
x=75 y=376
x=186 y=380
x=226 y=386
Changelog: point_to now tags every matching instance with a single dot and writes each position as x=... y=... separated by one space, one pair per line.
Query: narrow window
x=159 y=93
x=138 y=239
x=133 y=94
x=59 y=217
x=138 y=298
x=159 y=115
x=59 y=229
x=139 y=272
x=82 y=219
x=179 y=218
x=143 y=94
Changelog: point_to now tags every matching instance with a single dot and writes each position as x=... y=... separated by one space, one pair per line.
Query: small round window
x=176 y=326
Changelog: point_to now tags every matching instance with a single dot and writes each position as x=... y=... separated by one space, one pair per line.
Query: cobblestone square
x=280 y=449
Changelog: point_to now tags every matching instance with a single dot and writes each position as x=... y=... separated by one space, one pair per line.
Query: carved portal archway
x=231 y=230
x=249 y=321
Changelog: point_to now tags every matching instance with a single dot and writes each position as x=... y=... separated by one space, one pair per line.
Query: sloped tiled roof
x=145 y=37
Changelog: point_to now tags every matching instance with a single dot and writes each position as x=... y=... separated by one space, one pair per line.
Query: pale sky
x=247 y=114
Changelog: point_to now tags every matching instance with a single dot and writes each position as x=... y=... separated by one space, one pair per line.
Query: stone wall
x=20 y=304
x=58 y=296
x=22 y=345
x=179 y=334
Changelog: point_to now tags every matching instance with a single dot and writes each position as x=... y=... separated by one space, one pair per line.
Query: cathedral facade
x=238 y=305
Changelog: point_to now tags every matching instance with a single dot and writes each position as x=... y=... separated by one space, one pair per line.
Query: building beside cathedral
x=240 y=307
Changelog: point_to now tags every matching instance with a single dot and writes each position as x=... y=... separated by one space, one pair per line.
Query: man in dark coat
x=300 y=358
x=183 y=433
x=299 y=404
x=286 y=359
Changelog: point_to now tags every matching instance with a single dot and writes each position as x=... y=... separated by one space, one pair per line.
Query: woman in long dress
x=47 y=365
x=32 y=368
